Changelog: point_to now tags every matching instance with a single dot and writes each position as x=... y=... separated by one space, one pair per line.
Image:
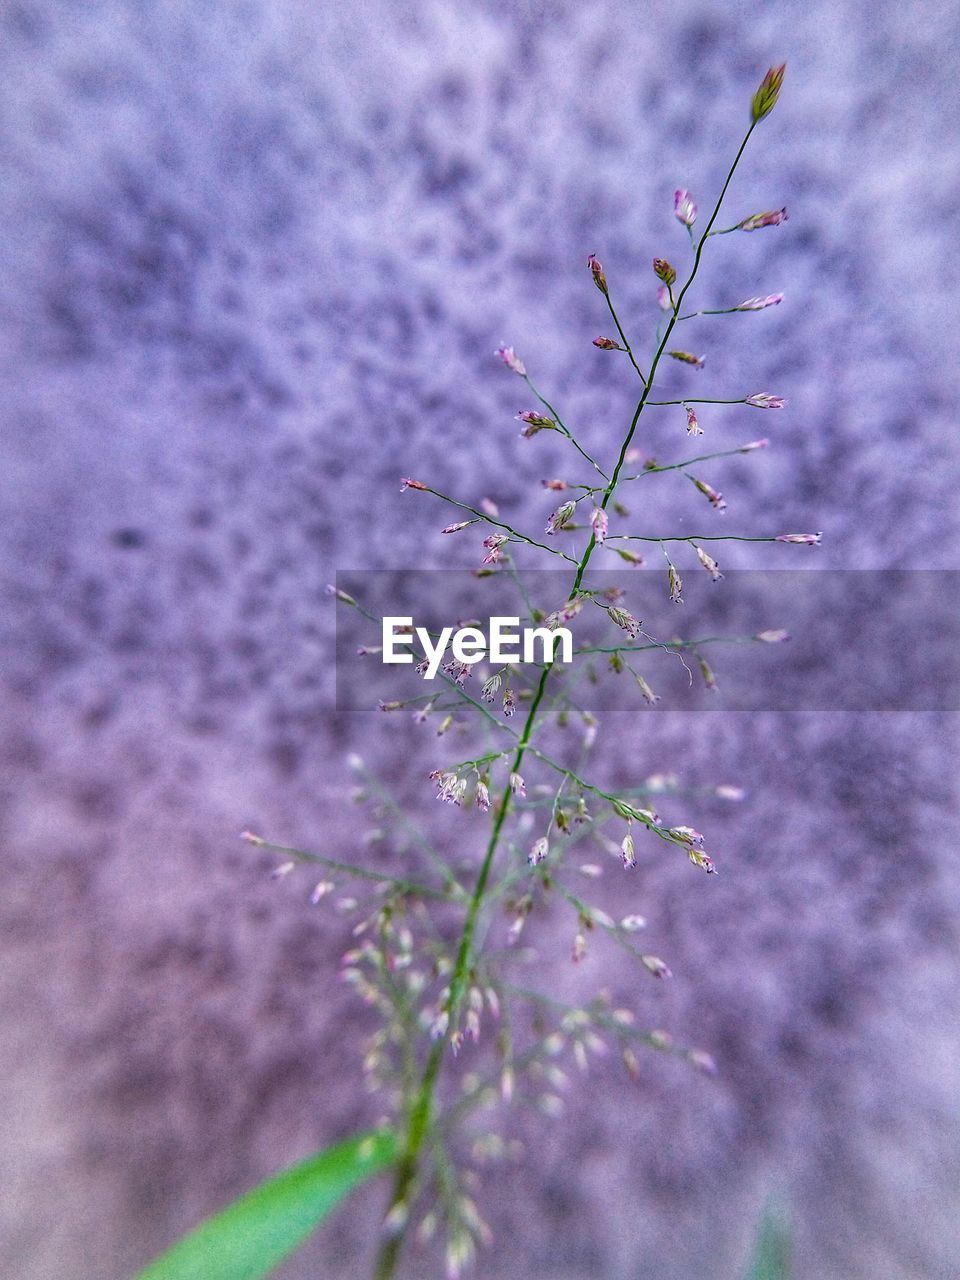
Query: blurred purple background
x=255 y=261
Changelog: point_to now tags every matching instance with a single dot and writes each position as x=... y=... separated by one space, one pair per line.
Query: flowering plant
x=421 y=952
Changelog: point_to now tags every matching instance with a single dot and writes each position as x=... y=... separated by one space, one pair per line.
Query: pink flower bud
x=455 y=528
x=708 y=563
x=664 y=270
x=631 y=557
x=494 y=544
x=645 y=689
x=702 y=1061
x=517 y=785
x=599 y=279
x=599 y=523
x=491 y=687
x=538 y=851
x=753 y=444
x=534 y=422
x=663 y=298
x=627 y=852
x=511 y=359
x=760 y=400
x=340 y=595
x=655 y=966
x=693 y=423
x=684 y=210
x=709 y=679
x=772 y=218
x=759 y=304
x=559 y=519
x=558 y=485
x=772 y=637
x=803 y=539
x=765 y=99
x=686 y=357
x=607 y=344
x=407 y=483
x=715 y=499
x=626 y=621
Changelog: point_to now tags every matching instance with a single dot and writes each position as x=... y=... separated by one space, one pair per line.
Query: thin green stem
x=498 y=524
x=623 y=337
x=564 y=429
x=696 y=399
x=687 y=537
x=420 y=1113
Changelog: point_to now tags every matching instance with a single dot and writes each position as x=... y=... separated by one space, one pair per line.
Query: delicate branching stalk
x=434 y=995
x=419 y=1120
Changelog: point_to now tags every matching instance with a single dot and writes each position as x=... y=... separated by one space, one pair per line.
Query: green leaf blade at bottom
x=251 y=1236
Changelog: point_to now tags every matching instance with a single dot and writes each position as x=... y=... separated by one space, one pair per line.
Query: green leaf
x=770 y=1259
x=251 y=1236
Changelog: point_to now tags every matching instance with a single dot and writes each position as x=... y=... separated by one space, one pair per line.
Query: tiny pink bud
x=715 y=499
x=684 y=209
x=754 y=444
x=626 y=621
x=693 y=423
x=633 y=924
x=534 y=422
x=340 y=595
x=627 y=852
x=607 y=344
x=765 y=99
x=494 y=544
x=649 y=695
x=687 y=357
x=772 y=637
x=599 y=523
x=664 y=271
x=407 y=483
x=455 y=528
x=560 y=518
x=760 y=400
x=511 y=359
x=727 y=792
x=663 y=298
x=772 y=218
x=599 y=279
x=708 y=563
x=557 y=485
x=656 y=966
x=803 y=539
x=675 y=583
x=759 y=304
x=702 y=1061
x=538 y=851
x=631 y=557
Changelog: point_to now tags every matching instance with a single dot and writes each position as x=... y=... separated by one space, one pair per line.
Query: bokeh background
x=255 y=260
